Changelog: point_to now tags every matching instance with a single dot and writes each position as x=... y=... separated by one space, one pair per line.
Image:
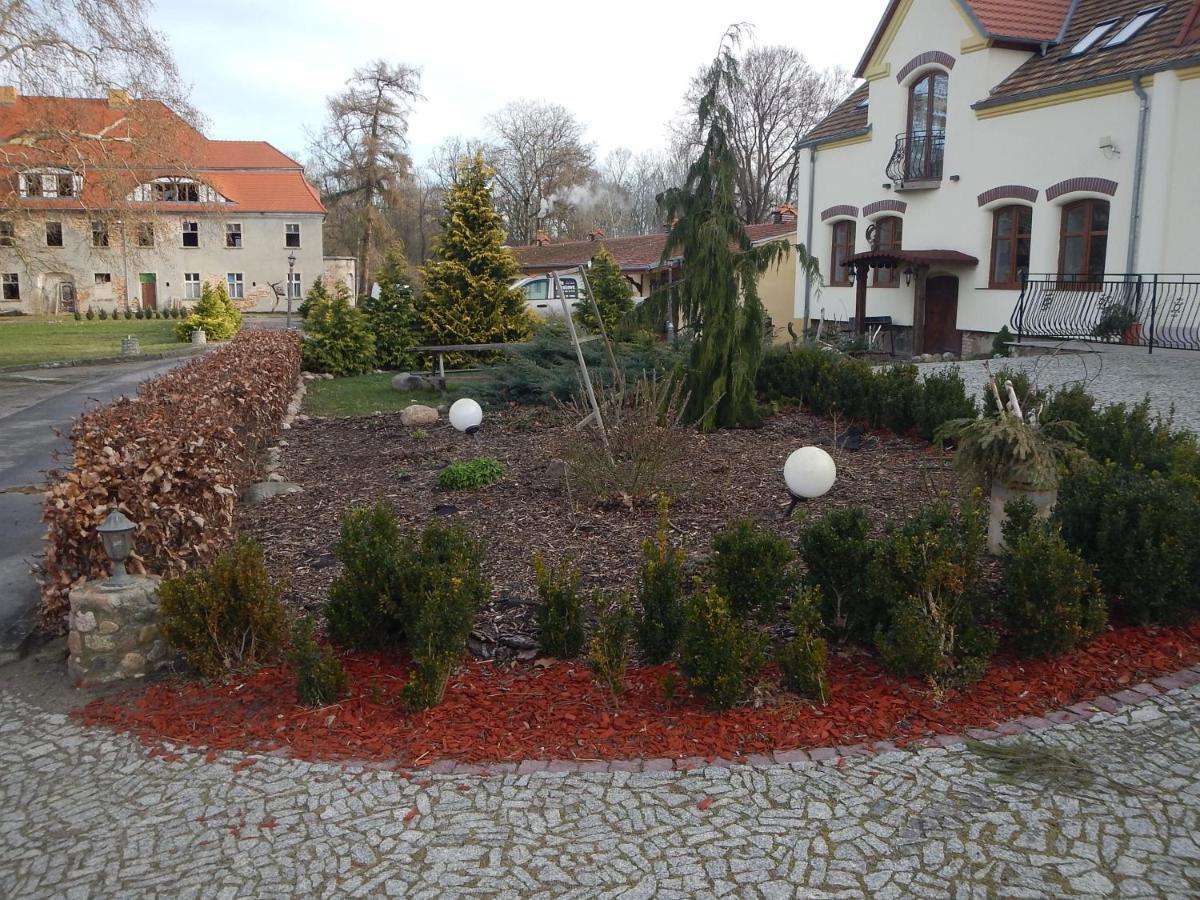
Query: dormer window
x=50 y=184
x=175 y=190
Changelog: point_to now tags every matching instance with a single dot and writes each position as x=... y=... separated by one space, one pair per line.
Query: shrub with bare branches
x=645 y=437
x=173 y=459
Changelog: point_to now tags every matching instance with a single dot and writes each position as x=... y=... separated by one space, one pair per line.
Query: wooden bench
x=439 y=351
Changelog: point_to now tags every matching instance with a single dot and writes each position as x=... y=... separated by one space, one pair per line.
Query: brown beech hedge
x=174 y=459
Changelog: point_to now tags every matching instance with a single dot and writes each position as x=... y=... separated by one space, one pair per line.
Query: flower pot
x=1043 y=501
x=1132 y=333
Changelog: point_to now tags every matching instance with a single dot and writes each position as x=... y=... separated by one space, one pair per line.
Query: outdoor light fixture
x=908 y=274
x=291 y=269
x=466 y=415
x=116 y=533
x=809 y=473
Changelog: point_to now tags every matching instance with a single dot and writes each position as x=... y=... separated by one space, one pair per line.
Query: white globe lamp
x=809 y=473
x=466 y=415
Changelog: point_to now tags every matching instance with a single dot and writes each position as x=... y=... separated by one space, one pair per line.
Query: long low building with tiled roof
x=996 y=143
x=120 y=203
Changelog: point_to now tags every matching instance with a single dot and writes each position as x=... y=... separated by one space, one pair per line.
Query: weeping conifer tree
x=718 y=294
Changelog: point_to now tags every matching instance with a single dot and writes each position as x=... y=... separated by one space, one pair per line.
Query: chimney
x=118 y=99
x=540 y=238
x=596 y=234
x=8 y=95
x=785 y=213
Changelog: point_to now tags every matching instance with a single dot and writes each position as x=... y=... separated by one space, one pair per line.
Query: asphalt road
x=37 y=408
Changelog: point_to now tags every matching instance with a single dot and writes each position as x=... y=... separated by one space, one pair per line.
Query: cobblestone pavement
x=1115 y=374
x=93 y=815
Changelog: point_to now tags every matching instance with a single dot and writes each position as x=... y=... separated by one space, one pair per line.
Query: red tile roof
x=91 y=136
x=1038 y=20
x=635 y=253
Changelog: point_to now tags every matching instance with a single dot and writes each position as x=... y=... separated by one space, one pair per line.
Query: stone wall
x=114 y=633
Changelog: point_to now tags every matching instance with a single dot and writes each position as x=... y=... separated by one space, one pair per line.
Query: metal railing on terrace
x=1139 y=310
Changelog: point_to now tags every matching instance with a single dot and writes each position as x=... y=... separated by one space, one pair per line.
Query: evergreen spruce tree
x=718 y=294
x=315 y=294
x=467 y=298
x=612 y=292
x=391 y=316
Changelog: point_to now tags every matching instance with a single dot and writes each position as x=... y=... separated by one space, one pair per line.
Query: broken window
x=191 y=234
x=12 y=286
x=291 y=235
x=233 y=235
x=145 y=234
x=54 y=234
x=99 y=234
x=7 y=235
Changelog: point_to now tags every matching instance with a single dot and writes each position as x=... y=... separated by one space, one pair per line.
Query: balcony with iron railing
x=917 y=159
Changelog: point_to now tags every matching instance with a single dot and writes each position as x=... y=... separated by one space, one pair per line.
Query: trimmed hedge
x=174 y=459
x=827 y=382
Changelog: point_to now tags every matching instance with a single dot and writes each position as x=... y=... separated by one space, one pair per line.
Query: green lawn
x=365 y=394
x=29 y=340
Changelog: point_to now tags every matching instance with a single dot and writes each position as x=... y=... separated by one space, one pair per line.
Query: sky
x=261 y=69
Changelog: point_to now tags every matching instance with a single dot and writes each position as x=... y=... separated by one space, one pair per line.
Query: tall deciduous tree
x=718 y=294
x=361 y=161
x=467 y=298
x=540 y=159
x=778 y=97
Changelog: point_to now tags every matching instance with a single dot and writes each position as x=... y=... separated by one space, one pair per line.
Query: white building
x=119 y=202
x=993 y=138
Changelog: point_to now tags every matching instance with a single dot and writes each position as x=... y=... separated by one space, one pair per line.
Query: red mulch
x=556 y=712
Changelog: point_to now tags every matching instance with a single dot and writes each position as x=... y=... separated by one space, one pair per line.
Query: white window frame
x=1133 y=27
x=1092 y=38
x=235 y=283
x=288 y=230
x=10 y=279
x=191 y=285
x=193 y=229
x=233 y=235
x=102 y=278
x=295 y=284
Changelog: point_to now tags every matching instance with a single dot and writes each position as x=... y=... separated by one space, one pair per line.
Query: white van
x=538 y=290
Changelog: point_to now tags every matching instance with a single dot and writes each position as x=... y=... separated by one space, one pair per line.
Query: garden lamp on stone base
x=116 y=533
x=809 y=473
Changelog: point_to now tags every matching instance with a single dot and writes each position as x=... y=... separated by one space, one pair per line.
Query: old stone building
x=121 y=203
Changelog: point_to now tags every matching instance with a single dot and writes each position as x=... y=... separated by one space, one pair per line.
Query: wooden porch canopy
x=920 y=261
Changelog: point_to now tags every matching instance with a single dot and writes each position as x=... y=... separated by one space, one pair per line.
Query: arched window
x=175 y=190
x=1083 y=241
x=1011 y=228
x=843 y=249
x=888 y=232
x=926 y=126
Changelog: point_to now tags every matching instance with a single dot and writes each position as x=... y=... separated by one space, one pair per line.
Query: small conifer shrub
x=718 y=654
x=320 y=678
x=560 y=615
x=660 y=592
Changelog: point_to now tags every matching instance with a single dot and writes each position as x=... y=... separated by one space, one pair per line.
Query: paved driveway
x=37 y=408
x=1113 y=809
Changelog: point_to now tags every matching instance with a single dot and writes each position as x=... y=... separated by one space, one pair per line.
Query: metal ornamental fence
x=1139 y=310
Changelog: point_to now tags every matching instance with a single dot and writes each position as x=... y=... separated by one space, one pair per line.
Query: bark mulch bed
x=497 y=714
x=344 y=462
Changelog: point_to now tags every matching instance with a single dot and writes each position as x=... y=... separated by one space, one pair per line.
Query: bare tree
x=779 y=98
x=360 y=158
x=540 y=158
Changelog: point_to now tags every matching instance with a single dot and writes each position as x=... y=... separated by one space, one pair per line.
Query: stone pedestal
x=114 y=633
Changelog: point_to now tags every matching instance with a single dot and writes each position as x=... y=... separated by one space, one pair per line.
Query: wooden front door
x=941 y=315
x=149 y=292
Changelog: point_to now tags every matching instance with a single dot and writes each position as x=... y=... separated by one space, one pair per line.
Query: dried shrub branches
x=174 y=459
x=645 y=435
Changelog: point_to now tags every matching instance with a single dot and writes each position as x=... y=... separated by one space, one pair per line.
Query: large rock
x=265 y=490
x=418 y=415
x=408 y=381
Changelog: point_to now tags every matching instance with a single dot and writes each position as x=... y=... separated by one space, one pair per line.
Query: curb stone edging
x=1126 y=698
